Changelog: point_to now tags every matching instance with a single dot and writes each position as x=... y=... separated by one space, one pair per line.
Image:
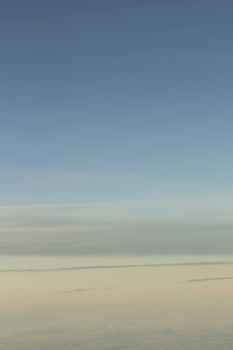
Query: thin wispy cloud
x=116 y=267
x=196 y=224
x=209 y=279
x=83 y=290
x=62 y=176
x=197 y=207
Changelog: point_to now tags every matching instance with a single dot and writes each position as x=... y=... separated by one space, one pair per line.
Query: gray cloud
x=208 y=279
x=99 y=229
x=129 y=266
x=82 y=235
x=81 y=290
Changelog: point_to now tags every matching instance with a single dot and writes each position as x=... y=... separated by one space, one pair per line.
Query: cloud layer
x=120 y=228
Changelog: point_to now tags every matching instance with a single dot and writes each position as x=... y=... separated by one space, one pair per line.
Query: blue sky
x=116 y=102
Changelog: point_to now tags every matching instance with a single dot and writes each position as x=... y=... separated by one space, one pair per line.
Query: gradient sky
x=121 y=104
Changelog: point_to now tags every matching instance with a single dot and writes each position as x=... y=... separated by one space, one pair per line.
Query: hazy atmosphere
x=116 y=192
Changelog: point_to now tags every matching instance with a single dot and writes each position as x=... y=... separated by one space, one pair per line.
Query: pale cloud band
x=184 y=225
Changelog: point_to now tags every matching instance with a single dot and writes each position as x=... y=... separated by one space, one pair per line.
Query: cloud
x=189 y=224
x=74 y=176
x=51 y=234
x=48 y=186
x=208 y=279
x=81 y=290
x=122 y=266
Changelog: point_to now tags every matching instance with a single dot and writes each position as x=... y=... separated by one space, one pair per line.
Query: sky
x=116 y=124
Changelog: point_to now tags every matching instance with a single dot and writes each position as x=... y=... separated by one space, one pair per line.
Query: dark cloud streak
x=106 y=267
x=209 y=279
x=81 y=290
